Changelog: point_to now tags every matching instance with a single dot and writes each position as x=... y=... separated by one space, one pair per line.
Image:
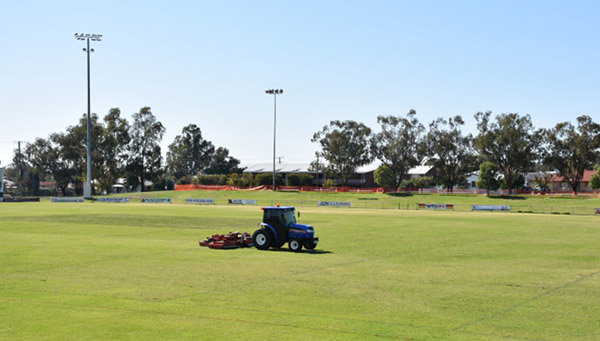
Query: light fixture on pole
x=87 y=187
x=274 y=92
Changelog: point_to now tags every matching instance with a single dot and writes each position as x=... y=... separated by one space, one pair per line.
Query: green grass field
x=135 y=271
x=462 y=203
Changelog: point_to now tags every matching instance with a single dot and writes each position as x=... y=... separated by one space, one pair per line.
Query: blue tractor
x=279 y=227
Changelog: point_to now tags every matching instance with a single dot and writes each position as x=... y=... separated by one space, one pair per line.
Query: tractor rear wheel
x=295 y=245
x=262 y=239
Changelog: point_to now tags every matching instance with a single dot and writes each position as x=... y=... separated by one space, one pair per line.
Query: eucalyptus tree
x=73 y=148
x=400 y=145
x=450 y=150
x=145 y=160
x=345 y=145
x=112 y=148
x=573 y=150
x=50 y=157
x=222 y=163
x=189 y=153
x=510 y=143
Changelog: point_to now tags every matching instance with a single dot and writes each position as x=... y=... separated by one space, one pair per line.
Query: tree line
x=120 y=149
x=505 y=147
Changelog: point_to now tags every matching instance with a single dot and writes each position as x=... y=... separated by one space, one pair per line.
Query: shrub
x=329 y=183
x=248 y=179
x=185 y=180
x=241 y=180
x=299 y=179
x=267 y=179
x=422 y=182
x=487 y=177
x=595 y=178
x=211 y=179
x=407 y=184
x=384 y=176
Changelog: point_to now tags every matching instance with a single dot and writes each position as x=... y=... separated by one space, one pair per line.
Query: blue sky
x=209 y=63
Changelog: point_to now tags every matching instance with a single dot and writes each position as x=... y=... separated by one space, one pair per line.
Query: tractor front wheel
x=295 y=245
x=261 y=239
x=310 y=244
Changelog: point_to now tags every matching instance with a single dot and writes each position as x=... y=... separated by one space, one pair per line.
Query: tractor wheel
x=261 y=239
x=295 y=245
x=310 y=244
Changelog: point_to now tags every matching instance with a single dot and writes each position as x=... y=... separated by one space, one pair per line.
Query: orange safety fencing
x=279 y=188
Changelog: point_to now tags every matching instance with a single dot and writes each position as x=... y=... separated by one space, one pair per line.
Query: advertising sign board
x=241 y=202
x=490 y=208
x=199 y=201
x=157 y=200
x=334 y=203
x=66 y=199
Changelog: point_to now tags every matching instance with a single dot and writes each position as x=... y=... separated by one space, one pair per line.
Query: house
x=47 y=188
x=283 y=169
x=559 y=184
x=472 y=180
x=420 y=171
x=363 y=177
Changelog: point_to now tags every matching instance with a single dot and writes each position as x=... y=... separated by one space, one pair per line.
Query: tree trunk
x=509 y=181
x=574 y=185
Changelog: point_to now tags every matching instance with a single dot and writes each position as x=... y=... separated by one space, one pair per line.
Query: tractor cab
x=279 y=226
x=280 y=218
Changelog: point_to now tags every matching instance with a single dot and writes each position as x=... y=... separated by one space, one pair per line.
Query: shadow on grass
x=399 y=194
x=303 y=251
x=507 y=197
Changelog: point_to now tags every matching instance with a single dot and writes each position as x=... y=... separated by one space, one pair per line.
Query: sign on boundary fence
x=334 y=203
x=120 y=200
x=241 y=202
x=490 y=208
x=66 y=199
x=199 y=201
x=156 y=200
x=436 y=206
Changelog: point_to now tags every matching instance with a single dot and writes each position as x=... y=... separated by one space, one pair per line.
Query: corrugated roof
x=279 y=167
x=586 y=176
x=303 y=168
x=419 y=170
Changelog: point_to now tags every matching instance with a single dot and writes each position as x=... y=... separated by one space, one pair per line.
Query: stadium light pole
x=87 y=188
x=274 y=92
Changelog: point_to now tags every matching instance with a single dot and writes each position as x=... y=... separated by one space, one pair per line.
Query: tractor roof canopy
x=284 y=208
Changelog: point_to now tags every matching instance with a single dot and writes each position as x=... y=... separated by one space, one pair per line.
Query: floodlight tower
x=274 y=92
x=87 y=187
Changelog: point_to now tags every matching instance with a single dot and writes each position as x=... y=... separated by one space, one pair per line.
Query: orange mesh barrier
x=280 y=188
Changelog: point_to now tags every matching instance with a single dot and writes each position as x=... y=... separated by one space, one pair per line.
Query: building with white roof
x=362 y=178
